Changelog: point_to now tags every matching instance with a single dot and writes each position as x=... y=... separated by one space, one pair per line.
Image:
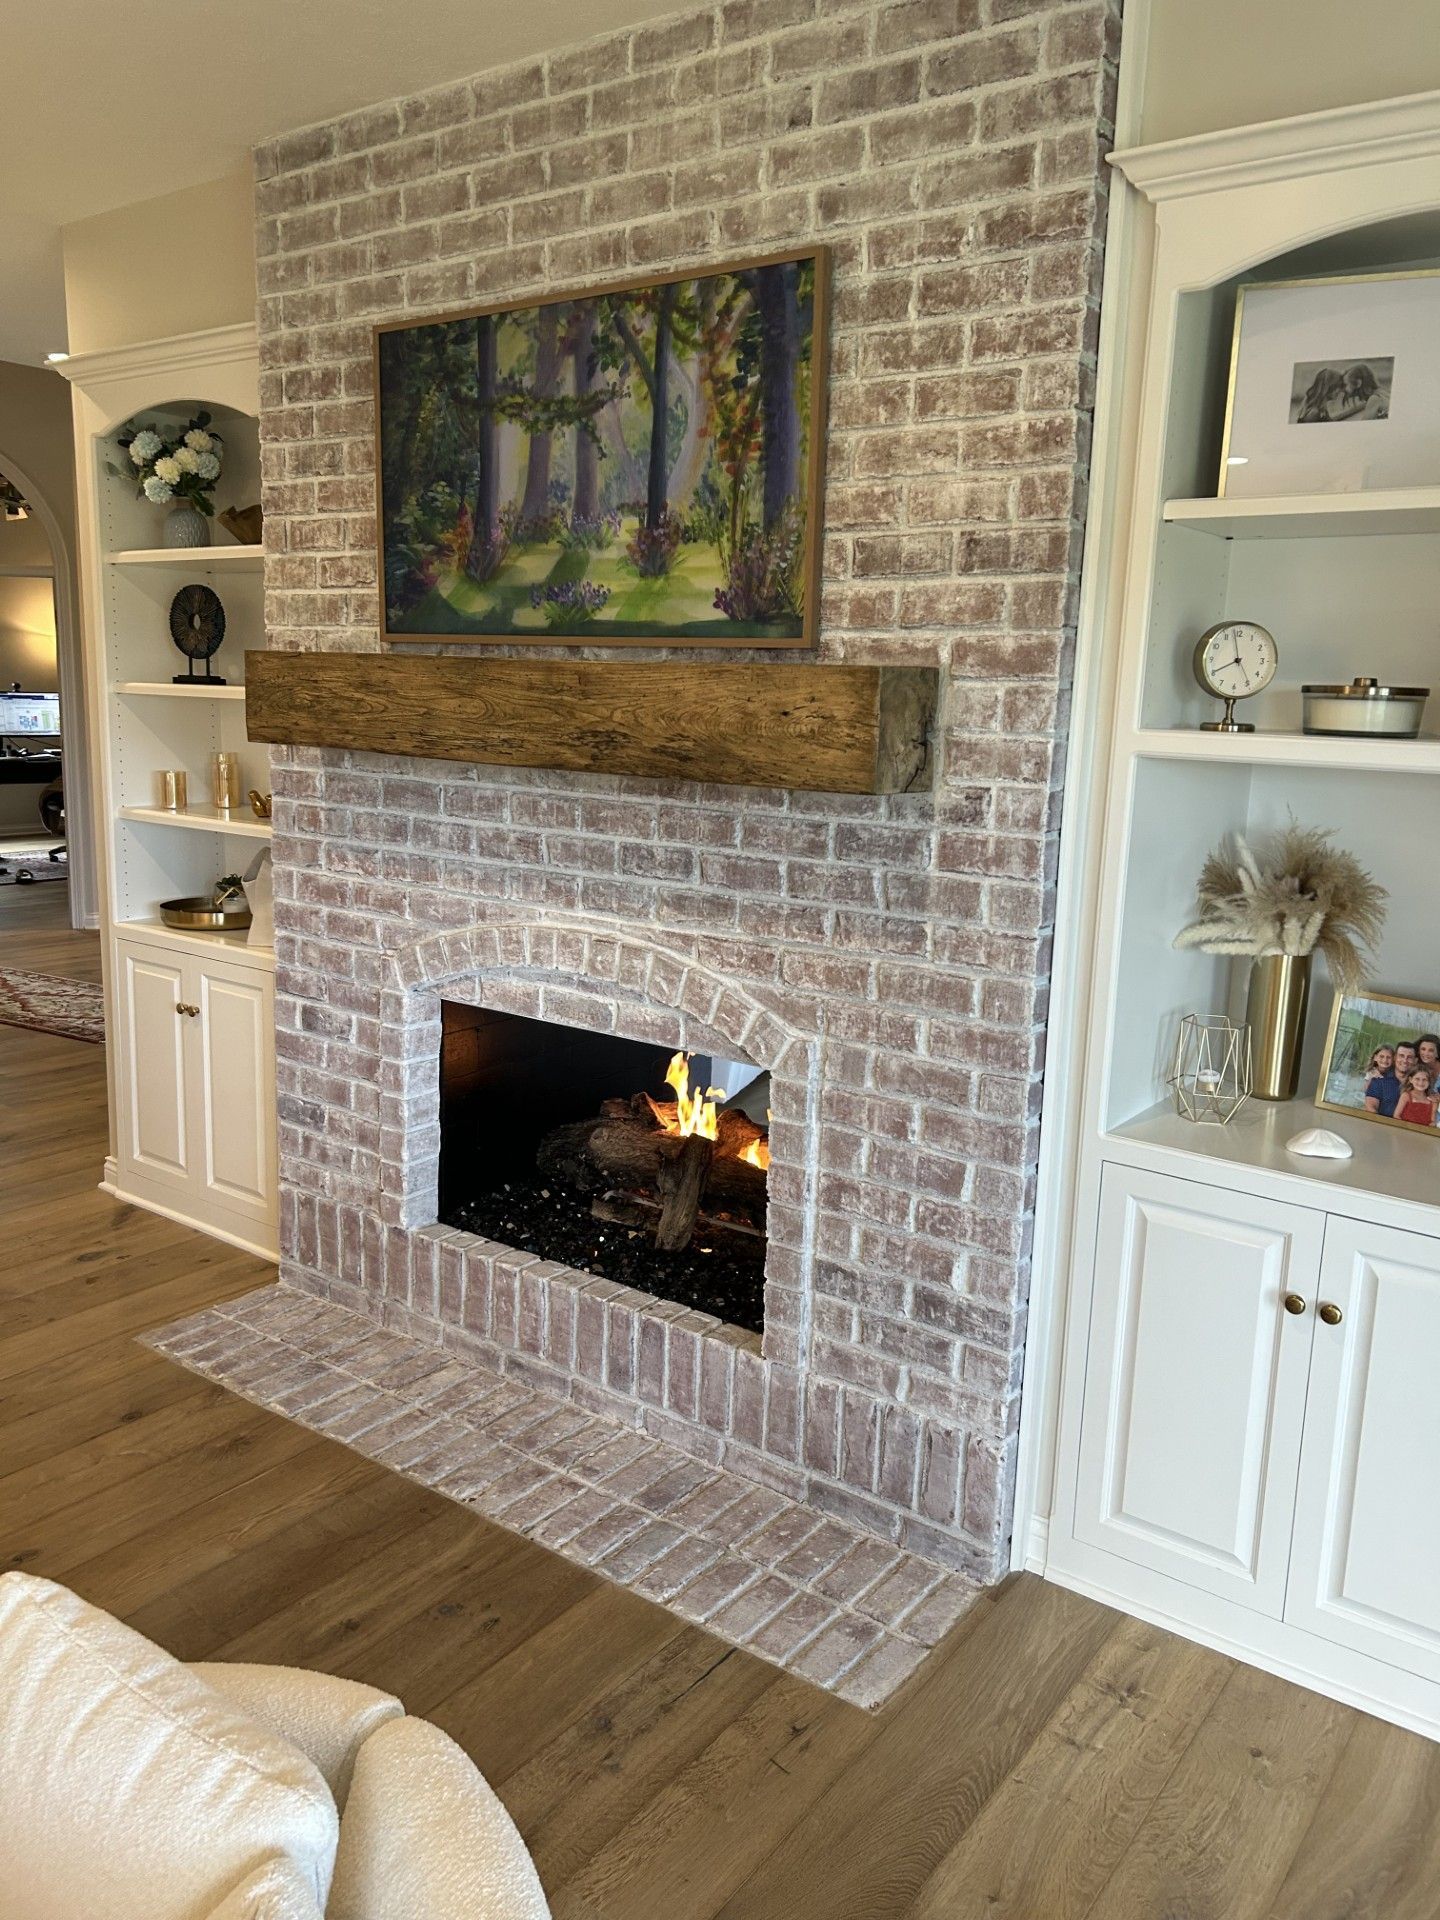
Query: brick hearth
x=886 y=957
x=825 y=1600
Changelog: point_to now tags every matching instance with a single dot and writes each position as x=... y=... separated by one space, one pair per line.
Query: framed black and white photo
x=1382 y=1061
x=1334 y=386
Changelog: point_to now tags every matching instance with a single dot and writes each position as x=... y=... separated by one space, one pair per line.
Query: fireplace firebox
x=614 y=1156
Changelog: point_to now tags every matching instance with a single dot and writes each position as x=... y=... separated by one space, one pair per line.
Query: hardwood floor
x=35 y=932
x=1053 y=1760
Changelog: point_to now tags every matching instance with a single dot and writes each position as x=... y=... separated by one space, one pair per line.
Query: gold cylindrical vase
x=1275 y=1013
x=225 y=780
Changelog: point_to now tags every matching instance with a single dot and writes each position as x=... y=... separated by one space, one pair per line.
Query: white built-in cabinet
x=190 y=1016
x=1365 y=1557
x=196 y=1071
x=1259 y=1417
x=1232 y=1416
x=1192 y=1421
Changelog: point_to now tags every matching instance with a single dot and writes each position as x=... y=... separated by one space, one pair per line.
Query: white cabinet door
x=1195 y=1383
x=155 y=1107
x=235 y=1069
x=1365 y=1568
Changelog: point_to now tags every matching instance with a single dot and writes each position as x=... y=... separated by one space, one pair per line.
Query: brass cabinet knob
x=183 y=1006
x=1330 y=1313
x=1295 y=1303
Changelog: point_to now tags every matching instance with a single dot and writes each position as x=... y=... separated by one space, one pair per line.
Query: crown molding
x=1329 y=141
x=213 y=347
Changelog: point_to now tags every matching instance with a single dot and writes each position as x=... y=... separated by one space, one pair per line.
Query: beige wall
x=1227 y=63
x=27 y=633
x=34 y=443
x=23 y=543
x=175 y=265
x=35 y=439
x=27 y=608
x=36 y=451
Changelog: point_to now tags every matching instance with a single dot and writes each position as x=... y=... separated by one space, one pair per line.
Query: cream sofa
x=134 y=1787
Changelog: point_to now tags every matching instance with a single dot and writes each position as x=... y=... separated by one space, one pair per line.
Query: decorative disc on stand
x=197 y=626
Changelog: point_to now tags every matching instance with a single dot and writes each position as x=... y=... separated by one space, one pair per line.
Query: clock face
x=1236 y=659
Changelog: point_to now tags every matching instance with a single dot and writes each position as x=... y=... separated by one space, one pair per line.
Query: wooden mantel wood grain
x=827 y=729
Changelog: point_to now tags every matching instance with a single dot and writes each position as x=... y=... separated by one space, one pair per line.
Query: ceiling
x=109 y=101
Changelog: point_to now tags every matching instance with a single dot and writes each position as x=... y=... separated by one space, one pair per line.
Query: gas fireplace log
x=629 y=1153
x=624 y=1149
x=629 y=1210
x=684 y=1170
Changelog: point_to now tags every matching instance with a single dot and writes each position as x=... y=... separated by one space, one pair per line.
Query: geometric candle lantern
x=1212 y=1073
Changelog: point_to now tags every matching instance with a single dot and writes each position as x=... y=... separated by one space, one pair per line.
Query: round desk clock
x=1234 y=660
x=197 y=626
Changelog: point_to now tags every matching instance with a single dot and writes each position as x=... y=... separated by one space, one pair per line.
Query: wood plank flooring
x=35 y=932
x=1052 y=1761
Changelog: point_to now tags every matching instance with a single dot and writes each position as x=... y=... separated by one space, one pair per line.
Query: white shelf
x=201 y=819
x=1390 y=1163
x=163 y=690
x=186 y=939
x=1312 y=516
x=1262 y=749
x=236 y=559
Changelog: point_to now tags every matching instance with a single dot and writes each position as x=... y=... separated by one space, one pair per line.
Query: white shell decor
x=1318 y=1143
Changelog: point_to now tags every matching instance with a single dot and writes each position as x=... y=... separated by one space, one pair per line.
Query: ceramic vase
x=1275 y=1012
x=185 y=526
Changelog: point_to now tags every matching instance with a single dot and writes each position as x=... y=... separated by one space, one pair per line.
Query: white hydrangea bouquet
x=181 y=464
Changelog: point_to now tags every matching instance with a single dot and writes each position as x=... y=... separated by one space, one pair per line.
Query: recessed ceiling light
x=56 y=358
x=1238 y=460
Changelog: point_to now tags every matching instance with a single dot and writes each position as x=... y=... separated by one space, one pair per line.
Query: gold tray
x=199 y=915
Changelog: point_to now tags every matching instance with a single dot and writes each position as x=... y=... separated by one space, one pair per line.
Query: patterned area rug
x=50 y=1003
x=29 y=865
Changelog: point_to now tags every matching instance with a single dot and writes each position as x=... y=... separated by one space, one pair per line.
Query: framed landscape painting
x=633 y=465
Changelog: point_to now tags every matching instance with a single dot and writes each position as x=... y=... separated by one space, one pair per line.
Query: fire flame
x=697 y=1112
x=694 y=1112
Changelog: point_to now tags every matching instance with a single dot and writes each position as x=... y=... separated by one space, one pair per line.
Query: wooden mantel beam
x=827 y=729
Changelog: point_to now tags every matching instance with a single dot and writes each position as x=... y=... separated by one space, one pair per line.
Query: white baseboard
x=232 y=1237
x=1396 y=1697
x=1032 y=1549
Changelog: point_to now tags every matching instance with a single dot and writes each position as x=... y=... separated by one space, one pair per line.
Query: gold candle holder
x=1212 y=1073
x=225 y=780
x=171 y=790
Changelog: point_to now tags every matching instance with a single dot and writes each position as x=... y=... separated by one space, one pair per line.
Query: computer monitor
x=30 y=715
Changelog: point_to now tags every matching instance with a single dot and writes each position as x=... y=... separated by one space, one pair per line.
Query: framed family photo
x=1382 y=1061
x=626 y=465
x=1334 y=386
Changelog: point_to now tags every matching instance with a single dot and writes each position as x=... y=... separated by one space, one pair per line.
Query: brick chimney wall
x=950 y=153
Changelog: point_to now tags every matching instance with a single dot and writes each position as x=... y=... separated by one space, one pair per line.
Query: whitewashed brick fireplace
x=886 y=958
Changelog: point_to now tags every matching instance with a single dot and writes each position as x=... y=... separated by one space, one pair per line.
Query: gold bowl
x=199 y=914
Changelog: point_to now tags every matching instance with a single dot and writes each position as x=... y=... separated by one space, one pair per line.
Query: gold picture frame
x=701 y=558
x=1357 y=1034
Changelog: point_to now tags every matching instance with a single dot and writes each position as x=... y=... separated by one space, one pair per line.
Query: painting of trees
x=633 y=464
